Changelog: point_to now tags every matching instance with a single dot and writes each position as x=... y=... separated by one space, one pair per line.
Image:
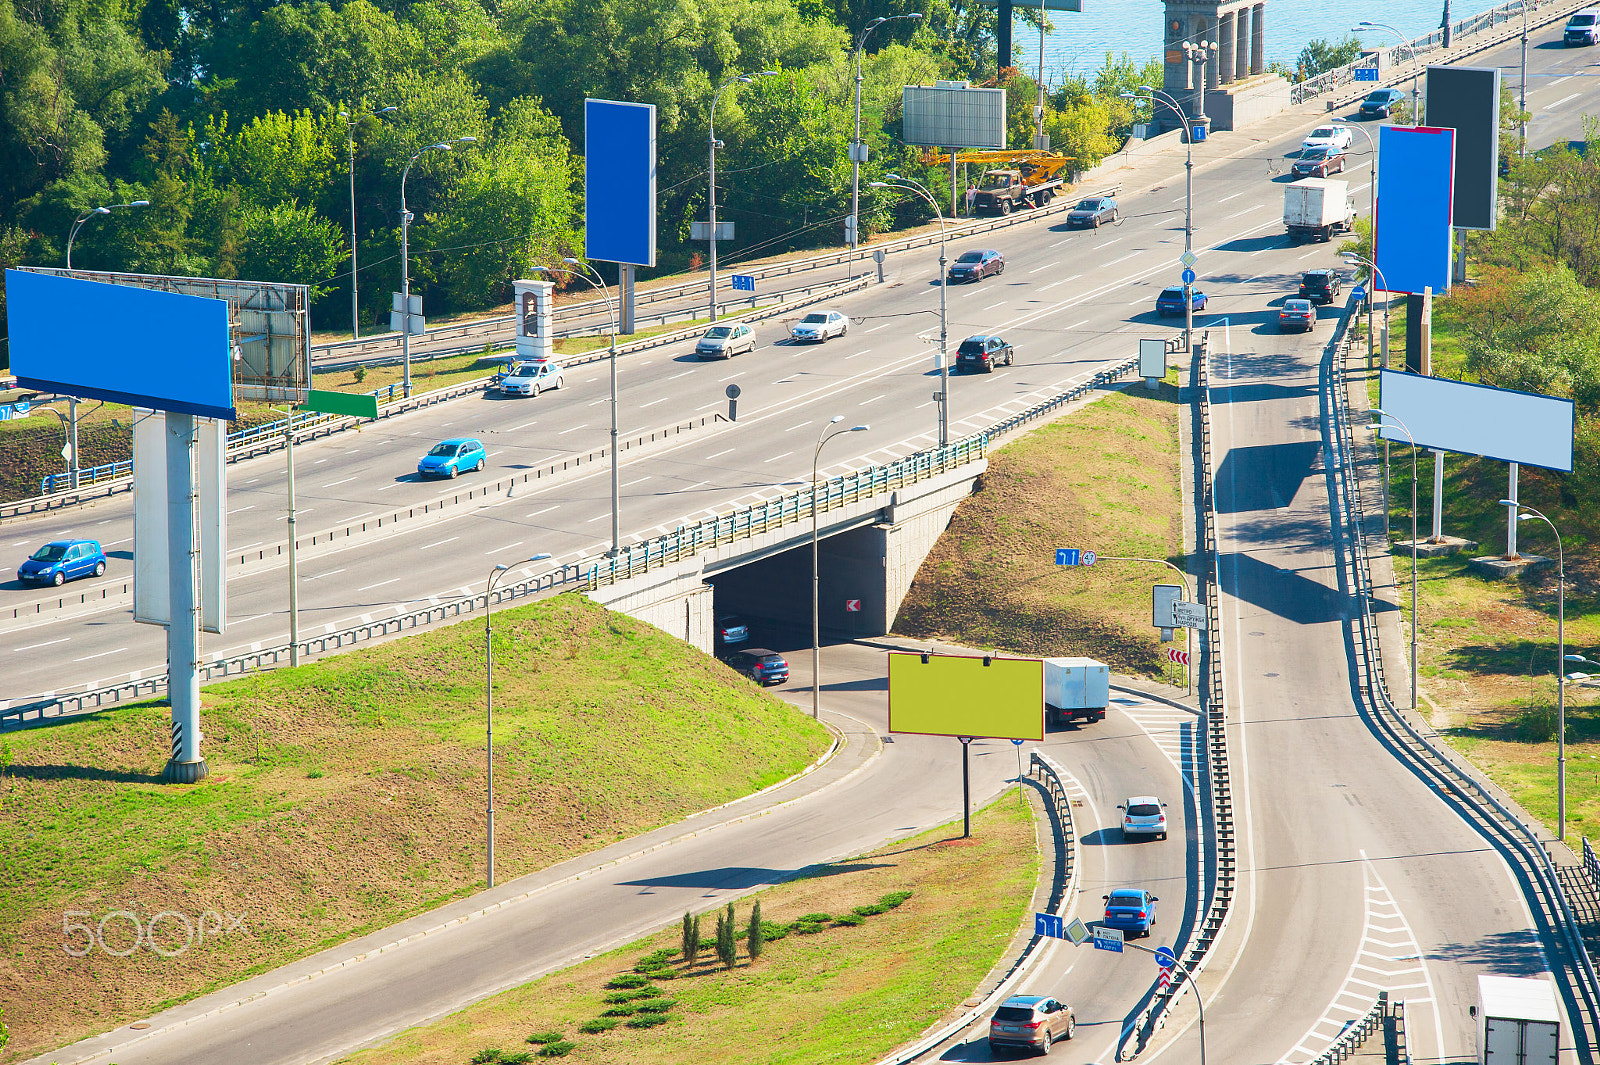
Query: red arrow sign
x=852 y=606
x=1175 y=655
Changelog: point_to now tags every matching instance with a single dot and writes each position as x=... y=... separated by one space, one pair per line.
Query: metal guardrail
x=1356 y=1033
x=1493 y=819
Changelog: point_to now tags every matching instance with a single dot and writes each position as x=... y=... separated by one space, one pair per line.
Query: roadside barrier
x=1356 y=1033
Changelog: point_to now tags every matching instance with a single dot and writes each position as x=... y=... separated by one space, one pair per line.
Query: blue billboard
x=120 y=344
x=619 y=179
x=1411 y=230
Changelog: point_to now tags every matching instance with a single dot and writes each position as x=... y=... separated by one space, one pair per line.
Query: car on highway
x=732 y=631
x=1030 y=1022
x=1320 y=286
x=726 y=341
x=1296 y=316
x=1131 y=909
x=1319 y=162
x=1582 y=28
x=60 y=561
x=818 y=326
x=980 y=354
x=1379 y=102
x=531 y=378
x=1093 y=212
x=1144 y=815
x=450 y=457
x=760 y=665
x=1338 y=137
x=976 y=265
x=1171 y=300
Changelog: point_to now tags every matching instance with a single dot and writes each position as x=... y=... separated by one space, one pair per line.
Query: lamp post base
x=177 y=772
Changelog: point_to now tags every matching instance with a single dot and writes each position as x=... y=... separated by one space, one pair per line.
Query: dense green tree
x=289 y=244
x=1320 y=56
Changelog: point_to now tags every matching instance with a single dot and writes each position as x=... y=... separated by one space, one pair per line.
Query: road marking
x=102 y=654
x=336 y=484
x=524 y=425
x=675 y=376
x=692 y=487
x=1241 y=214
x=395 y=484
x=874 y=399
x=719 y=454
x=739 y=374
x=574 y=429
x=1564 y=99
x=129 y=540
x=1046 y=266
x=235 y=510
x=1235 y=196
x=1125 y=258
x=47 y=643
x=1309 y=254
x=792 y=428
x=992 y=306
x=440 y=543
x=380 y=584
x=597 y=402
x=536 y=513
x=653 y=402
x=775 y=458
x=319 y=576
x=640 y=480
x=863 y=351
x=507 y=547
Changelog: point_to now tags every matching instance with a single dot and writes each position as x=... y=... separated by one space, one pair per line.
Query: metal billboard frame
x=949 y=116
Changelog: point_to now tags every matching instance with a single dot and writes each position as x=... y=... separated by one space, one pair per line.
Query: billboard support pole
x=183 y=625
x=1438 y=498
x=294 y=561
x=1511 y=516
x=72 y=411
x=966 y=788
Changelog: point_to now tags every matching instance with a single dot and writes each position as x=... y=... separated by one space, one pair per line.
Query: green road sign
x=359 y=406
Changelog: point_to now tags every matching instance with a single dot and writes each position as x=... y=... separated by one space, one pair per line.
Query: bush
x=849 y=920
x=629 y=996
x=691 y=939
x=894 y=898
x=771 y=931
x=813 y=918
x=656 y=1005
x=557 y=1050
x=727 y=946
x=656 y=959
x=806 y=928
x=542 y=1038
x=870 y=911
x=488 y=1056
x=752 y=935
x=628 y=981
x=649 y=1020
x=599 y=1024
x=626 y=1009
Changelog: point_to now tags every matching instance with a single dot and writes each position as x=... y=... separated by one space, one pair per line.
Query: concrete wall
x=1242 y=103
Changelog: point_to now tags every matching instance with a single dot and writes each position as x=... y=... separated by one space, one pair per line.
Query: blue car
x=1132 y=910
x=1171 y=300
x=450 y=457
x=61 y=561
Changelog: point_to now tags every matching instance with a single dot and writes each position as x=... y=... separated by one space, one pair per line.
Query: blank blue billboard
x=120 y=344
x=1411 y=239
x=619 y=178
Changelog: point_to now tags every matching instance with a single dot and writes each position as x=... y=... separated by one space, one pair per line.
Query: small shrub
x=708 y=944
x=771 y=931
x=599 y=1024
x=691 y=939
x=624 y=1009
x=556 y=1050
x=870 y=911
x=663 y=974
x=849 y=920
x=520 y=1057
x=813 y=918
x=649 y=1020
x=656 y=1005
x=488 y=1056
x=629 y=996
x=894 y=898
x=360 y=374
x=542 y=1038
x=628 y=981
x=805 y=928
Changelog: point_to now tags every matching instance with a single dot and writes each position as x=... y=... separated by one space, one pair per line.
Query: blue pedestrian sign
x=744 y=282
x=1108 y=939
x=1365 y=74
x=1048 y=924
x=1188 y=277
x=1165 y=958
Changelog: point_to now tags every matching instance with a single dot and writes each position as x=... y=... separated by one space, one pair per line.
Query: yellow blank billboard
x=954 y=695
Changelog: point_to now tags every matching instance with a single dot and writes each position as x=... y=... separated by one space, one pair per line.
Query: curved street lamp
x=90 y=214
x=350 y=139
x=711 y=186
x=488 y=687
x=405 y=252
x=1416 y=119
x=895 y=181
x=1525 y=512
x=1380 y=412
x=1154 y=95
x=828 y=433
x=858 y=150
x=1352 y=259
x=1372 y=164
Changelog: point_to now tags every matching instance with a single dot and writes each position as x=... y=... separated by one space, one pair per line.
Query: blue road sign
x=1188 y=277
x=1108 y=939
x=1165 y=958
x=1067 y=556
x=1365 y=74
x=1017 y=743
x=1048 y=924
x=1359 y=293
x=744 y=282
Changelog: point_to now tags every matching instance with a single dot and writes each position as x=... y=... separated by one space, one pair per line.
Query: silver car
x=1144 y=815
x=726 y=341
x=818 y=326
x=1031 y=1022
x=531 y=378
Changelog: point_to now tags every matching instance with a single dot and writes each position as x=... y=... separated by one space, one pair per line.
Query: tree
x=290 y=244
x=691 y=939
x=727 y=944
x=1319 y=57
x=754 y=942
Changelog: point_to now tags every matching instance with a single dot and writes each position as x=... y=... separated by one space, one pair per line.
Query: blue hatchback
x=450 y=457
x=1132 y=910
x=61 y=561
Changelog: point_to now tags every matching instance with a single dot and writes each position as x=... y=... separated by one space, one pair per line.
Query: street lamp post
x=711 y=180
x=1380 y=412
x=1372 y=164
x=1188 y=670
x=350 y=140
x=1523 y=106
x=71 y=236
x=897 y=182
x=828 y=433
x=1351 y=259
x=1147 y=93
x=858 y=150
x=1524 y=512
x=1199 y=53
x=405 y=254
x=1416 y=118
x=592 y=276
x=488 y=689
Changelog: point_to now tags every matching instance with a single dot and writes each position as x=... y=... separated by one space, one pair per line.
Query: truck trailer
x=1318 y=207
x=1075 y=688
x=1518 y=1021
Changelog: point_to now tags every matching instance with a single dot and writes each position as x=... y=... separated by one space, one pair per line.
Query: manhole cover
x=139 y=1025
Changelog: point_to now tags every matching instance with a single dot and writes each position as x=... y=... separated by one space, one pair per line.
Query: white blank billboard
x=940 y=116
x=1496 y=423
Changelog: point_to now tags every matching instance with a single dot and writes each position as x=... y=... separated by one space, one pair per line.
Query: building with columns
x=1232 y=35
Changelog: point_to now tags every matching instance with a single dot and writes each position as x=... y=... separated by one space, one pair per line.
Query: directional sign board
x=1108 y=939
x=1178 y=655
x=1165 y=957
x=1359 y=293
x=1188 y=615
x=1188 y=277
x=1072 y=556
x=1364 y=74
x=744 y=282
x=1048 y=924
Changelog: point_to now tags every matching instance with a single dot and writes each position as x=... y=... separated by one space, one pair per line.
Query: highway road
x=1355 y=875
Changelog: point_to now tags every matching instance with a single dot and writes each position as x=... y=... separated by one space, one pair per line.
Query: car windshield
x=1318 y=153
x=814 y=319
x=526 y=370
x=1297 y=305
x=971 y=257
x=1324 y=133
x=1126 y=898
x=718 y=332
x=1172 y=294
x=443 y=451
x=1582 y=20
x=973 y=346
x=996 y=180
x=1379 y=97
x=1088 y=205
x=50 y=553
x=1143 y=809
x=1014 y=1013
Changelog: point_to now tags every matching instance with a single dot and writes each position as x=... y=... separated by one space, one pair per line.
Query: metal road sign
x=1048 y=924
x=1364 y=74
x=1179 y=656
x=1078 y=932
x=1188 y=259
x=1108 y=939
x=852 y=606
x=744 y=282
x=1088 y=558
x=1188 y=277
x=1163 y=980
x=1072 y=556
x=1188 y=615
x=1359 y=293
x=1165 y=957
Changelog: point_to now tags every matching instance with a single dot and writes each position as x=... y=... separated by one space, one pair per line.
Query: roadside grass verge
x=1105 y=479
x=349 y=793
x=845 y=992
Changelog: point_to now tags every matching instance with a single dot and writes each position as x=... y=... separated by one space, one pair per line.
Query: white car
x=531 y=378
x=819 y=326
x=1338 y=137
x=1144 y=815
x=725 y=341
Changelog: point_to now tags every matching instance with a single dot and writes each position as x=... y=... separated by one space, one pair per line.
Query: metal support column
x=183 y=582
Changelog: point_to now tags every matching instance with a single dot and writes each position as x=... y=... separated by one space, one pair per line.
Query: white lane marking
x=574 y=429
x=536 y=513
x=240 y=510
x=992 y=306
x=1046 y=266
x=1558 y=103
x=1235 y=196
x=102 y=654
x=319 y=576
x=380 y=584
x=719 y=454
x=874 y=399
x=1241 y=214
x=439 y=543
x=336 y=484
x=775 y=458
x=875 y=328
x=792 y=428
x=653 y=402
x=524 y=425
x=47 y=643
x=505 y=547
x=1125 y=258
x=739 y=374
x=675 y=376
x=639 y=480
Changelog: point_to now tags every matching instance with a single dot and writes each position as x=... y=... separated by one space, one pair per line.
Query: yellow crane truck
x=1011 y=180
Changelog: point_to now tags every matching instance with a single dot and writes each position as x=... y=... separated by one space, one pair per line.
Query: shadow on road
x=742 y=877
x=1263 y=476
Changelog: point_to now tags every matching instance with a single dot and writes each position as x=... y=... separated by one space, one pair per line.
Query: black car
x=982 y=353
x=1093 y=212
x=1318 y=162
x=1379 y=102
x=973 y=265
x=761 y=665
x=1320 y=286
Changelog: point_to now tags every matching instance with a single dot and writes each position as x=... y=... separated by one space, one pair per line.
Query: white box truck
x=1318 y=207
x=1075 y=688
x=1518 y=1021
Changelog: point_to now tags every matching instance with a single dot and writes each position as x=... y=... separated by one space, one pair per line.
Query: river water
x=1081 y=39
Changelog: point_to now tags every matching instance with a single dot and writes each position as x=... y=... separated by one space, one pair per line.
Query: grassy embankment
x=1105 y=479
x=839 y=986
x=348 y=794
x=1487 y=650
